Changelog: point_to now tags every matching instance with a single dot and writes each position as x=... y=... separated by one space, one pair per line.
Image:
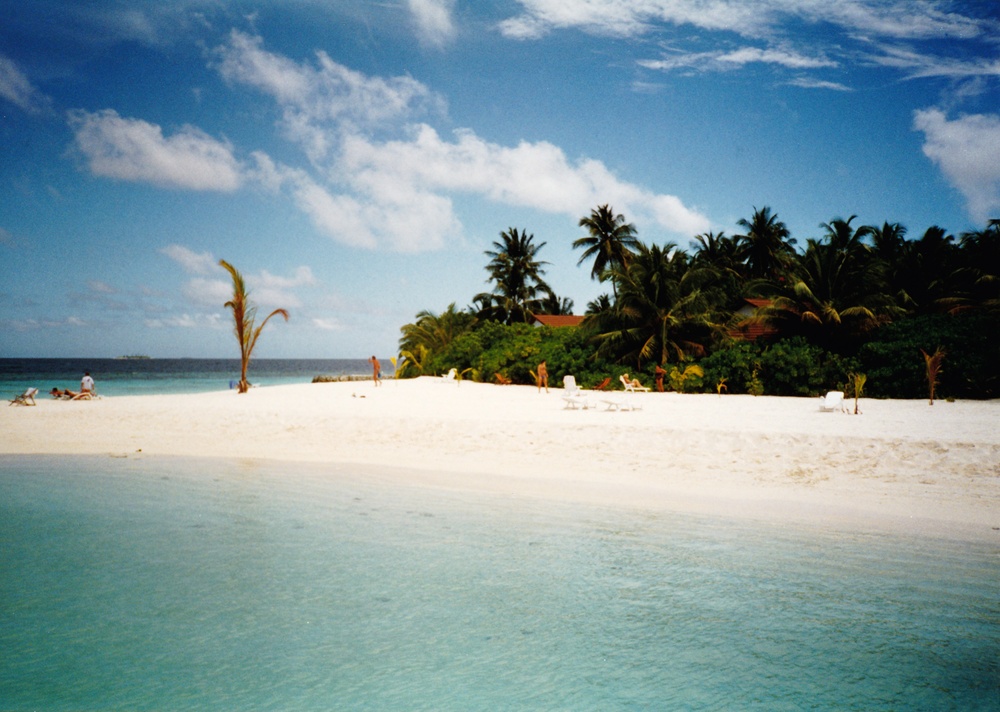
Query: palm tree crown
x=610 y=240
x=516 y=272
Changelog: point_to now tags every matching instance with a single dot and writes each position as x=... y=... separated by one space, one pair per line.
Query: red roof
x=558 y=319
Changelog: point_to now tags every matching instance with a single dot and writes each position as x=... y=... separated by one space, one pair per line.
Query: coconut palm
x=434 y=332
x=661 y=310
x=834 y=293
x=767 y=247
x=516 y=272
x=244 y=318
x=610 y=241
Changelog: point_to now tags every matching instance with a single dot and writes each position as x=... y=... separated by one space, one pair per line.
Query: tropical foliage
x=244 y=321
x=750 y=311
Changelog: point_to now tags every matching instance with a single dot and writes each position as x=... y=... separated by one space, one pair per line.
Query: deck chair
x=834 y=400
x=26 y=398
x=632 y=385
x=603 y=384
x=572 y=395
x=502 y=379
x=450 y=377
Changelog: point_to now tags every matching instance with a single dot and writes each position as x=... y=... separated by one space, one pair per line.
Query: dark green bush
x=895 y=366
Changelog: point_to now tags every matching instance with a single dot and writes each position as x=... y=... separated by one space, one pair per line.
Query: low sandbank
x=898 y=465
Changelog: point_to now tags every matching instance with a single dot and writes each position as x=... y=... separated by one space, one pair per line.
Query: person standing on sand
x=87 y=383
x=543 y=377
x=660 y=373
x=376 y=370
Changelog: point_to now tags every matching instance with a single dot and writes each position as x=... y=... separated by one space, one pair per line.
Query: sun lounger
x=572 y=395
x=26 y=398
x=632 y=385
x=834 y=400
x=450 y=377
x=603 y=384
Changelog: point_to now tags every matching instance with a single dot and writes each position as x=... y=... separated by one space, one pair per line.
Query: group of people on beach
x=88 y=390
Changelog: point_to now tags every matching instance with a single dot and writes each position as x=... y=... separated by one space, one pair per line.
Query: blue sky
x=355 y=159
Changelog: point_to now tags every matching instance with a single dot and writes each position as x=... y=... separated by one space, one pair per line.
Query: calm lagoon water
x=121 y=377
x=187 y=584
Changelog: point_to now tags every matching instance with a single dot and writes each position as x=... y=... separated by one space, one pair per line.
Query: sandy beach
x=899 y=465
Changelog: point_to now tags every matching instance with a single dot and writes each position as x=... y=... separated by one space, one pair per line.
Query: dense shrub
x=895 y=366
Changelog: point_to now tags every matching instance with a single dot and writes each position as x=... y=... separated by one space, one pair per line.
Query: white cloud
x=188 y=321
x=398 y=193
x=807 y=83
x=624 y=18
x=916 y=65
x=134 y=150
x=967 y=150
x=208 y=292
x=900 y=19
x=534 y=175
x=17 y=89
x=192 y=262
x=314 y=98
x=721 y=61
x=433 y=20
x=327 y=324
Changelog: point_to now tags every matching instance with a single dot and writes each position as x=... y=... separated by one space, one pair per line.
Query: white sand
x=900 y=465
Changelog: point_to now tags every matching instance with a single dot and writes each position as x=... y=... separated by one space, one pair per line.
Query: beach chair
x=834 y=400
x=603 y=384
x=450 y=377
x=502 y=379
x=573 y=397
x=26 y=398
x=632 y=385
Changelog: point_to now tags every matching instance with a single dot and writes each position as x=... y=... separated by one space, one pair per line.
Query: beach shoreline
x=900 y=466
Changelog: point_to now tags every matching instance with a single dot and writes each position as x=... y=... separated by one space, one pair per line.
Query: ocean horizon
x=164 y=376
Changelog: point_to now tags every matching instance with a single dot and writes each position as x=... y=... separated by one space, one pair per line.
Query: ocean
x=119 y=377
x=146 y=583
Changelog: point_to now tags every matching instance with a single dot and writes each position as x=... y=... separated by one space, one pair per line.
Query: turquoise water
x=120 y=377
x=186 y=584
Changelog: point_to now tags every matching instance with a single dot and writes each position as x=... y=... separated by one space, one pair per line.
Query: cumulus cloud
x=18 y=90
x=135 y=150
x=967 y=150
x=433 y=20
x=192 y=262
x=316 y=97
x=371 y=193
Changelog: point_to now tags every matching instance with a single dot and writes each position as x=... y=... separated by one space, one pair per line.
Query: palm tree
x=610 y=241
x=722 y=254
x=767 y=247
x=516 y=273
x=661 y=310
x=244 y=316
x=431 y=333
x=835 y=293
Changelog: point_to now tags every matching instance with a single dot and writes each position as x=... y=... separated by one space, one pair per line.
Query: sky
x=354 y=160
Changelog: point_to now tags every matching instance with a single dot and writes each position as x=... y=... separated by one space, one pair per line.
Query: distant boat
x=132 y=357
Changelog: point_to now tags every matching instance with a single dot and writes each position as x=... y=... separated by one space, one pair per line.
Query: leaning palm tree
x=244 y=318
x=610 y=240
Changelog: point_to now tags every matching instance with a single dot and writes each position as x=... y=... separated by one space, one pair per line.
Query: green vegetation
x=857 y=307
x=244 y=318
